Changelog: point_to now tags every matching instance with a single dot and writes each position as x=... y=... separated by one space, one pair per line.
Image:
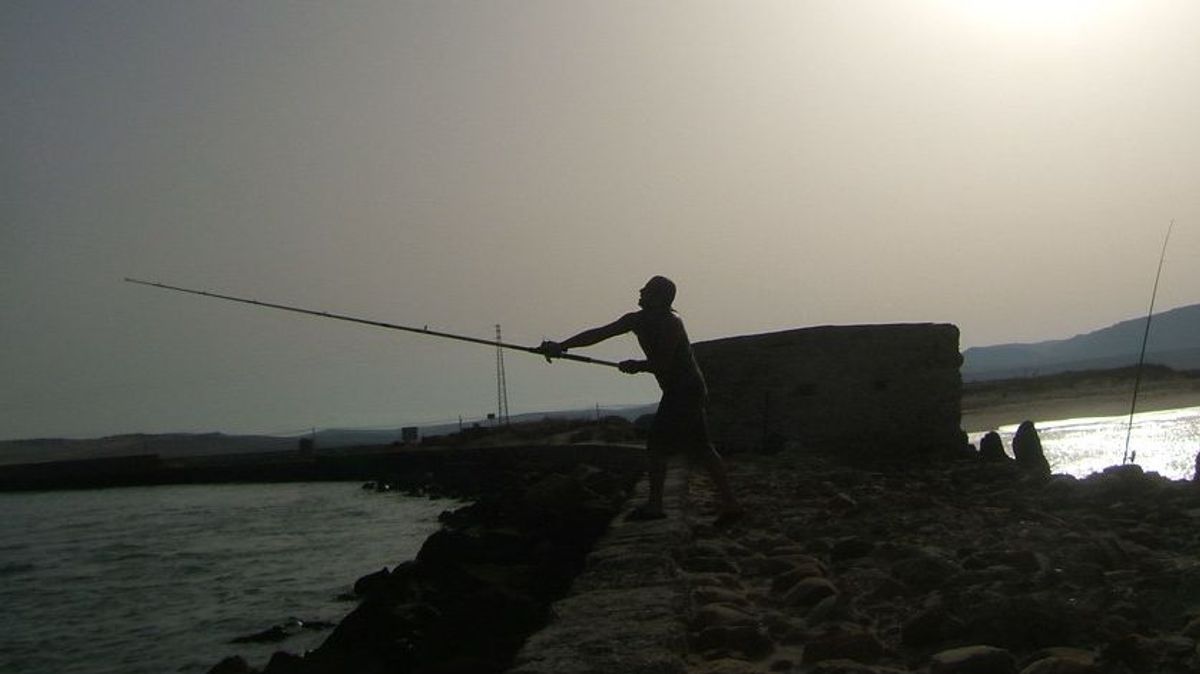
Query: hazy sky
x=1007 y=166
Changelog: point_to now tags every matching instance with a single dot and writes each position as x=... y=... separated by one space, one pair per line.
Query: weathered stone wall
x=876 y=388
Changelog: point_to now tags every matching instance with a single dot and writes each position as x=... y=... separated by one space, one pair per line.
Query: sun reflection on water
x=1164 y=442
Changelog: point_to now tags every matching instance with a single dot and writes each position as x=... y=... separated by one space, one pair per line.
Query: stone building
x=875 y=388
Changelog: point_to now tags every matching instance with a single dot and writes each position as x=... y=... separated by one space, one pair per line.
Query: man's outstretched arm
x=588 y=337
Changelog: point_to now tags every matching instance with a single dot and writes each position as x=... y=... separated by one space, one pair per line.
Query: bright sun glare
x=1032 y=18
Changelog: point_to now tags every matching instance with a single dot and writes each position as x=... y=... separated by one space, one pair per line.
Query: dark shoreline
x=435 y=468
x=485 y=581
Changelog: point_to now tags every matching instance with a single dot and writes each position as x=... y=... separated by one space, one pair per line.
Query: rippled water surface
x=159 y=579
x=1164 y=442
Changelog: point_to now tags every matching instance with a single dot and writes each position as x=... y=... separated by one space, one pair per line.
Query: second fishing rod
x=378 y=324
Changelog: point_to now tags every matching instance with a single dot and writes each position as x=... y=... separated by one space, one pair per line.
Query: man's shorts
x=680 y=425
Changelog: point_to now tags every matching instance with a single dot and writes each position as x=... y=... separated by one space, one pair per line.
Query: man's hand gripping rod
x=379 y=324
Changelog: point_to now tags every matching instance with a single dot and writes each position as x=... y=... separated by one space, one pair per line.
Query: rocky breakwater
x=481 y=584
x=956 y=566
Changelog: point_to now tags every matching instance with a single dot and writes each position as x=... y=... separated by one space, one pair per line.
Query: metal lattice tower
x=501 y=383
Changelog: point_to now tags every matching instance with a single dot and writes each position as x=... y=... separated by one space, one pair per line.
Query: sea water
x=160 y=579
x=1164 y=442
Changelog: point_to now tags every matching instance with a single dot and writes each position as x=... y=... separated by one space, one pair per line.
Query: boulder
x=1027 y=449
x=721 y=615
x=973 y=660
x=274 y=634
x=991 y=448
x=1057 y=665
x=851 y=667
x=843 y=642
x=372 y=583
x=718 y=595
x=808 y=592
x=747 y=639
x=282 y=662
x=851 y=547
x=233 y=664
x=782 y=583
x=925 y=571
x=710 y=565
x=1060 y=661
x=929 y=627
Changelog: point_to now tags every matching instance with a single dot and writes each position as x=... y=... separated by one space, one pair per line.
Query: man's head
x=658 y=293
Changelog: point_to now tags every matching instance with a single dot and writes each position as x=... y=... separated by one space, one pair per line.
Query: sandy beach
x=990 y=405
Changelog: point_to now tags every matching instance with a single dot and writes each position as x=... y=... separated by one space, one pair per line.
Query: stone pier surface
x=626 y=612
x=946 y=566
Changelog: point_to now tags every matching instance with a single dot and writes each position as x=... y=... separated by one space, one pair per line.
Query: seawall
x=626 y=611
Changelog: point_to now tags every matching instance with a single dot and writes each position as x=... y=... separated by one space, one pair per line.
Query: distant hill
x=176 y=445
x=1174 y=342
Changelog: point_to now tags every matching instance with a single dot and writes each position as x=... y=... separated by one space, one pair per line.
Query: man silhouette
x=680 y=423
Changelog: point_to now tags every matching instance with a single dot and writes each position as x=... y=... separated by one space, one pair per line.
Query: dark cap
x=660 y=290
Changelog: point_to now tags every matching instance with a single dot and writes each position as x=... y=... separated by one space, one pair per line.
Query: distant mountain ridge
x=1174 y=341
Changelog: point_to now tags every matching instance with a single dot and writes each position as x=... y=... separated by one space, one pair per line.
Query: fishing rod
x=1137 y=377
x=379 y=324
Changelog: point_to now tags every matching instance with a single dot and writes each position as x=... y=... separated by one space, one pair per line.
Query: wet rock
x=372 y=583
x=473 y=544
x=1024 y=561
x=556 y=493
x=718 y=663
x=841 y=501
x=777 y=565
x=234 y=664
x=718 y=595
x=725 y=580
x=925 y=571
x=1174 y=645
x=765 y=542
x=747 y=639
x=1060 y=661
x=844 y=641
x=1027 y=449
x=285 y=663
x=836 y=608
x=1123 y=483
x=1061 y=488
x=1021 y=621
x=931 y=626
x=1192 y=629
x=849 y=667
x=1136 y=651
x=991 y=448
x=1114 y=627
x=852 y=547
x=1056 y=665
x=809 y=591
x=973 y=660
x=722 y=615
x=782 y=627
x=711 y=565
x=782 y=583
x=276 y=633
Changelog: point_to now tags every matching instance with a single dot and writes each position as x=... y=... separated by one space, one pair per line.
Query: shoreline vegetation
x=988 y=405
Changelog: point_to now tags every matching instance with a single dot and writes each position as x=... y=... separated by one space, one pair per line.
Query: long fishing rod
x=379 y=324
x=1137 y=377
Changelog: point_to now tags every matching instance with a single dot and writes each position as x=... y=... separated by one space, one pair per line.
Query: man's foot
x=728 y=517
x=644 y=513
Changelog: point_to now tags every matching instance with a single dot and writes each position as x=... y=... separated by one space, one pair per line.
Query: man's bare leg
x=730 y=508
x=657 y=474
x=658 y=480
